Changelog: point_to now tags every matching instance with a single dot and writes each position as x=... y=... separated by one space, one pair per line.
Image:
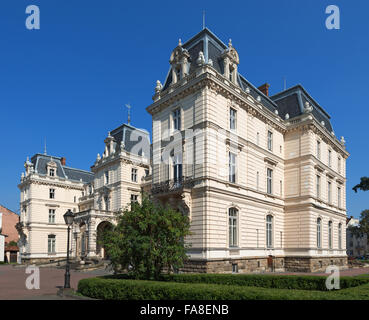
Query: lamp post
x=68 y=218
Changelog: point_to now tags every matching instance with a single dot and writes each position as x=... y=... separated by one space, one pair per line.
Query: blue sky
x=68 y=81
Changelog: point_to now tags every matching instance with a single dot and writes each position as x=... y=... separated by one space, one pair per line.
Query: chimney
x=62 y=160
x=265 y=88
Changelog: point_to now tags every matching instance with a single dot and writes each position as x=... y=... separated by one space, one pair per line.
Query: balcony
x=172 y=186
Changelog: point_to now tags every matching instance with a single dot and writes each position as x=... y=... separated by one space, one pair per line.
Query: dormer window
x=51 y=169
x=52 y=172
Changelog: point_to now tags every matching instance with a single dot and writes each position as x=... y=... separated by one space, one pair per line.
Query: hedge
x=264 y=281
x=120 y=289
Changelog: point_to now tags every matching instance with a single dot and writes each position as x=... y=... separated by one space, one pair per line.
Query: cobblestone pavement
x=13 y=282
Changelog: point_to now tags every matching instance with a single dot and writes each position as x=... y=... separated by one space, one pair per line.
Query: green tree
x=363 y=185
x=148 y=238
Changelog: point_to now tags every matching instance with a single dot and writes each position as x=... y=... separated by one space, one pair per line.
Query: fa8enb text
x=206 y=309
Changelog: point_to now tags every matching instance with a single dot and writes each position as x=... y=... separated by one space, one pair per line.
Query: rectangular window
x=134 y=175
x=52 y=172
x=177 y=119
x=257 y=180
x=318 y=186
x=318 y=233
x=106 y=177
x=269 y=231
x=269 y=181
x=329 y=192
x=106 y=201
x=233 y=227
x=234 y=268
x=51 y=215
x=340 y=236
x=339 y=164
x=270 y=141
x=339 y=197
x=318 y=149
x=51 y=244
x=329 y=158
x=257 y=138
x=177 y=169
x=232 y=119
x=280 y=188
x=52 y=194
x=330 y=234
x=232 y=167
x=134 y=198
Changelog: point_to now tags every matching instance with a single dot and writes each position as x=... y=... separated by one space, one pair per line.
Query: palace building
x=261 y=178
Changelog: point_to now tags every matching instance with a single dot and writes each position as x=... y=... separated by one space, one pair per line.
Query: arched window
x=330 y=234
x=319 y=233
x=269 y=231
x=233 y=226
x=340 y=236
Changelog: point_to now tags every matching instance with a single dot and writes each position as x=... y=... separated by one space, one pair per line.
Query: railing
x=172 y=185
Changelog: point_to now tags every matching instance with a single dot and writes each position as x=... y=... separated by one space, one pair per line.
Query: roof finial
x=179 y=42
x=203 y=19
x=45 y=153
x=129 y=113
x=230 y=43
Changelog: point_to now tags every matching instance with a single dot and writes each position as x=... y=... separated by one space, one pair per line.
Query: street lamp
x=68 y=218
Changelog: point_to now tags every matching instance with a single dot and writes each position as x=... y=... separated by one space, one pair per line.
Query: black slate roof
x=213 y=48
x=292 y=101
x=136 y=141
x=40 y=162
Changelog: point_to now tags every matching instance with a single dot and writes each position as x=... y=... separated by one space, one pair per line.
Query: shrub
x=119 y=289
x=264 y=281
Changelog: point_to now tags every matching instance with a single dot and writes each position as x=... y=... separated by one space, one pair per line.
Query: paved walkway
x=13 y=282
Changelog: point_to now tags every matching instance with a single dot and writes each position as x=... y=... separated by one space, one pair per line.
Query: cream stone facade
x=262 y=178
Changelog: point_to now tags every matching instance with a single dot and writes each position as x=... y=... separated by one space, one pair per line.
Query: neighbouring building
x=262 y=178
x=9 y=220
x=2 y=239
x=356 y=245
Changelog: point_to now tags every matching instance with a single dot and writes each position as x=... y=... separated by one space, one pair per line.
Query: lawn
x=223 y=287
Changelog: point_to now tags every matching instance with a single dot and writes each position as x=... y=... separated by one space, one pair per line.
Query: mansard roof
x=213 y=48
x=40 y=162
x=292 y=101
x=133 y=139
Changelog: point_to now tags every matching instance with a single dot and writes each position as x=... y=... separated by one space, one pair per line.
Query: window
x=233 y=224
x=339 y=197
x=232 y=119
x=269 y=181
x=319 y=233
x=318 y=186
x=339 y=164
x=269 y=231
x=330 y=234
x=232 y=167
x=234 y=268
x=134 y=175
x=340 y=236
x=52 y=194
x=177 y=169
x=52 y=172
x=106 y=201
x=177 y=119
x=75 y=199
x=51 y=244
x=257 y=180
x=329 y=158
x=106 y=177
x=51 y=215
x=329 y=192
x=257 y=138
x=270 y=140
x=318 y=149
x=134 y=198
x=89 y=189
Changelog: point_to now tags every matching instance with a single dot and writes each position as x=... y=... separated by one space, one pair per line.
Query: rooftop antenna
x=45 y=153
x=203 y=19
x=129 y=113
